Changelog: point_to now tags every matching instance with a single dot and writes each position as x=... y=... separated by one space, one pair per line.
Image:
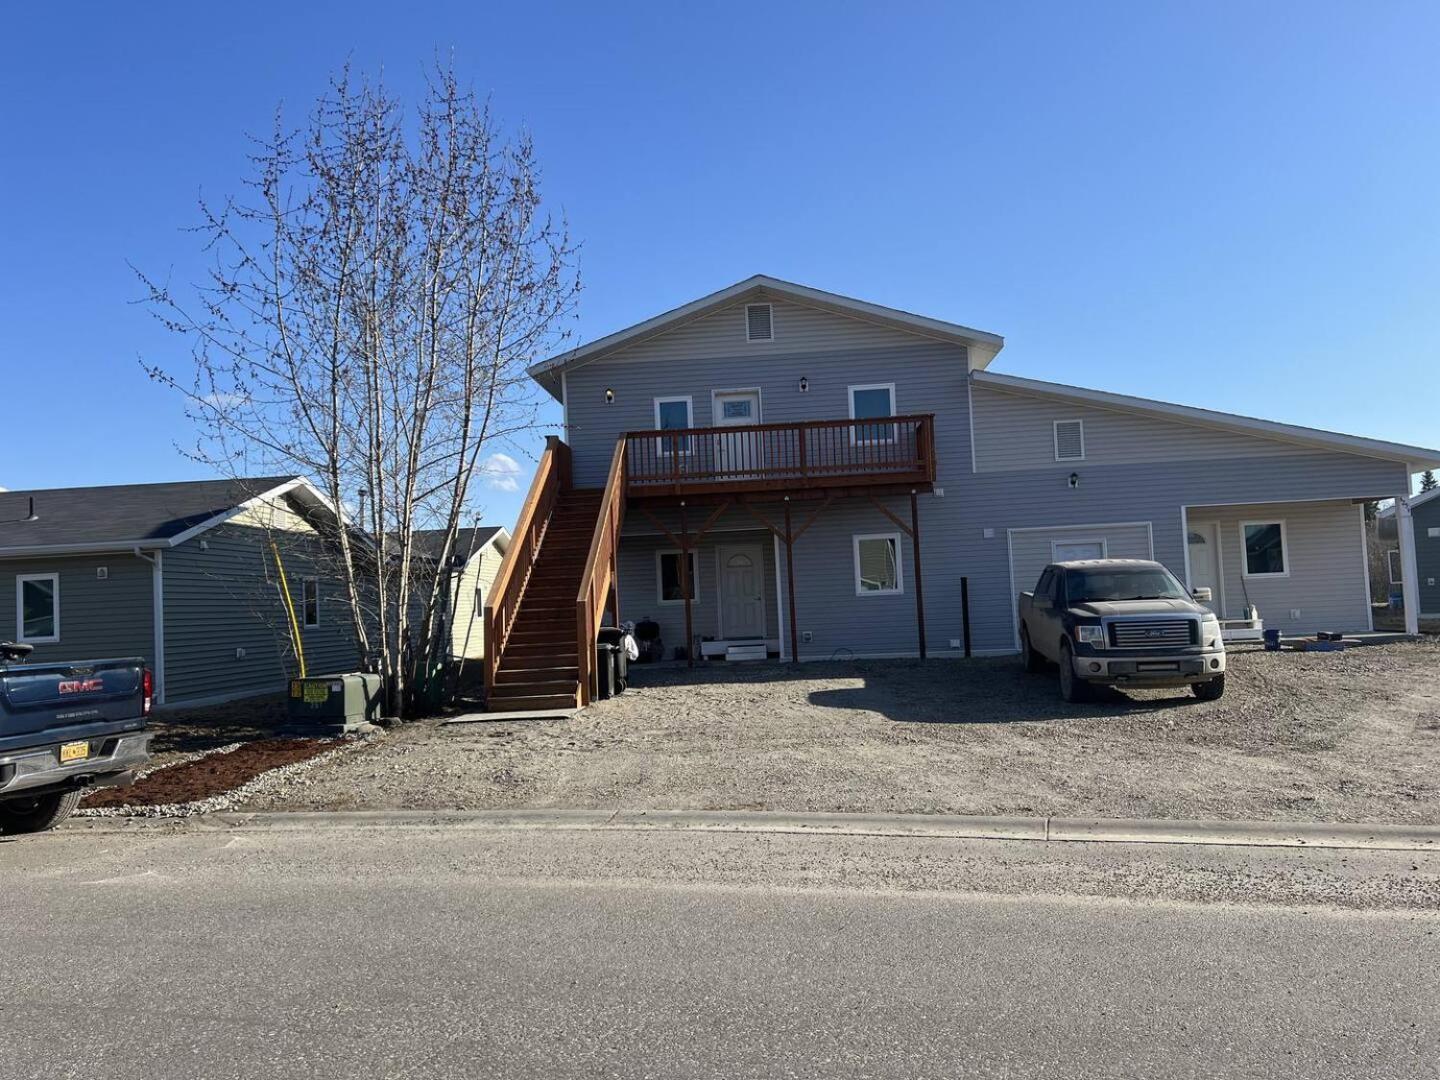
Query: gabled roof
x=128 y=516
x=1415 y=457
x=986 y=345
x=428 y=542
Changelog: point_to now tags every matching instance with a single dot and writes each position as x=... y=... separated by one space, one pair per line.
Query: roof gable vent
x=1069 y=440
x=759 y=323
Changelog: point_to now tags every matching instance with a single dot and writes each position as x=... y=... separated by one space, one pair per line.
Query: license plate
x=74 y=751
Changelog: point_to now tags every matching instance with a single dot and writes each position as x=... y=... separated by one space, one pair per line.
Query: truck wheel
x=1213 y=690
x=37 y=814
x=1072 y=688
x=1033 y=660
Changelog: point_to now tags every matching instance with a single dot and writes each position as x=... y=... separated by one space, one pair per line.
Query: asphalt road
x=427 y=952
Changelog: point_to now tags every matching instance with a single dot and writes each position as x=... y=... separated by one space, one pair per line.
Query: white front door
x=1204 y=543
x=742 y=591
x=741 y=452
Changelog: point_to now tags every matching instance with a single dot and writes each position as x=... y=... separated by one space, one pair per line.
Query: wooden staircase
x=538 y=666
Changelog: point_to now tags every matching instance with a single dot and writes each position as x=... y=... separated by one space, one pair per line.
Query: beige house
x=476 y=561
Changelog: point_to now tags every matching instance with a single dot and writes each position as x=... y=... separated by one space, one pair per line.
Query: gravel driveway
x=1351 y=736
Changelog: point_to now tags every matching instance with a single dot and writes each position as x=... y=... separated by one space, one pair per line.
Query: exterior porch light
x=804 y=384
x=1074 y=479
x=609 y=396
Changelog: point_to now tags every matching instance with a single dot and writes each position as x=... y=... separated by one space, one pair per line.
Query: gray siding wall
x=1327 y=572
x=222 y=594
x=98 y=619
x=1427 y=557
x=1174 y=465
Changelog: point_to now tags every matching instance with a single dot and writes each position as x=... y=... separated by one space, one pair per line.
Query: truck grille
x=1152 y=633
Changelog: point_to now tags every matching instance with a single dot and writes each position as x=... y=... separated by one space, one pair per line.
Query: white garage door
x=1031 y=549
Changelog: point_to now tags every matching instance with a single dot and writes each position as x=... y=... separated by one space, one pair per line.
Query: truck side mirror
x=1202 y=595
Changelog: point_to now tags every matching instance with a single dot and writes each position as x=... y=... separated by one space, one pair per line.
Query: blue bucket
x=1272 y=640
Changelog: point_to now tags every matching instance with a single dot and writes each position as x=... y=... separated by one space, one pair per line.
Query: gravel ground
x=1351 y=736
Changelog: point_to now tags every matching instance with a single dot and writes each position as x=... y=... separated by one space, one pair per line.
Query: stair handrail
x=502 y=602
x=601 y=572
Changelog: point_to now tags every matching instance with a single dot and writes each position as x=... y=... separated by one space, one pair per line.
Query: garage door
x=1032 y=549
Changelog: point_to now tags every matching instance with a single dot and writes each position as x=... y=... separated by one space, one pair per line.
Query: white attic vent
x=759 y=323
x=1069 y=440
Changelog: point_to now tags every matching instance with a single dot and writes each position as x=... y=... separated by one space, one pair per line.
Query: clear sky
x=1232 y=205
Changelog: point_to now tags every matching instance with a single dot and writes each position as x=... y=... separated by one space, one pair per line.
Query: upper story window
x=310 y=601
x=869 y=401
x=37 y=608
x=672 y=413
x=759 y=322
x=1069 y=440
x=1266 y=551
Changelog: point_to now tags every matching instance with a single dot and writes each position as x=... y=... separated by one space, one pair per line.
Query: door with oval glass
x=742 y=591
x=737 y=453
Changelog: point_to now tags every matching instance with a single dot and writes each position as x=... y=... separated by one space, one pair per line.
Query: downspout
x=157 y=602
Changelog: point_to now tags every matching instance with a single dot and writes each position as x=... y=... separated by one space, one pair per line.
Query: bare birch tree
x=367 y=321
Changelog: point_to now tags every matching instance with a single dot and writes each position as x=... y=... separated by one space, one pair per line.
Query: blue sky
x=1227 y=205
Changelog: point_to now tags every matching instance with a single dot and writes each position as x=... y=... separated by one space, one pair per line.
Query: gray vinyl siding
x=1326 y=578
x=222 y=594
x=1130 y=475
x=1427 y=557
x=98 y=619
x=1016 y=431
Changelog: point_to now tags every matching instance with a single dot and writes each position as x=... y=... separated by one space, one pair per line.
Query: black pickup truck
x=66 y=727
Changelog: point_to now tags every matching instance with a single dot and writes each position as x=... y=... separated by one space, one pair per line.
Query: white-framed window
x=759 y=322
x=668 y=587
x=1069 y=440
x=867 y=401
x=672 y=413
x=1393 y=555
x=37 y=608
x=310 y=602
x=877 y=565
x=1264 y=549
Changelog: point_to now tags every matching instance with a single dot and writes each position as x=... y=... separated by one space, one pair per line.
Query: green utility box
x=338 y=704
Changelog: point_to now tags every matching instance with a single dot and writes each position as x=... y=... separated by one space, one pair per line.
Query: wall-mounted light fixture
x=1074 y=479
x=609 y=396
x=804 y=384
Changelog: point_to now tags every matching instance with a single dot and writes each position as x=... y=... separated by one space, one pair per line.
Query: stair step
x=545 y=669
x=546 y=650
x=531 y=702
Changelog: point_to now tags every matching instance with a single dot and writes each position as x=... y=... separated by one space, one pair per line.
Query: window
x=1394 y=557
x=37 y=608
x=672 y=413
x=759 y=322
x=874 y=400
x=310 y=601
x=1073 y=550
x=1265 y=547
x=671 y=590
x=877 y=565
x=1069 y=440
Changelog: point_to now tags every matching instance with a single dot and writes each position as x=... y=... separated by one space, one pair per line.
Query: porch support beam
x=1409 y=567
x=899 y=522
x=790 y=585
x=914 y=531
x=685 y=588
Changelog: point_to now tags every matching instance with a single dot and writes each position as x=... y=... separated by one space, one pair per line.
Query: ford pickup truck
x=64 y=728
x=1121 y=622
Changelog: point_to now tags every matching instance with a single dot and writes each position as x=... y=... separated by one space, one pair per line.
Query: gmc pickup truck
x=63 y=728
x=1121 y=622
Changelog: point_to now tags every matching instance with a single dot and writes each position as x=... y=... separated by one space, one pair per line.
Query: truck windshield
x=1141 y=583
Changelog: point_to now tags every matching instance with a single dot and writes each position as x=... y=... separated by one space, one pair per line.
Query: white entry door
x=1204 y=543
x=738 y=454
x=742 y=591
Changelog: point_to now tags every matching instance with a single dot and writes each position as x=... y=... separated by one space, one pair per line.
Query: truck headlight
x=1091 y=635
x=1210 y=629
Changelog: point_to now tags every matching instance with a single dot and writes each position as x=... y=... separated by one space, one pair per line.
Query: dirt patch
x=212 y=775
x=1351 y=736
x=184 y=732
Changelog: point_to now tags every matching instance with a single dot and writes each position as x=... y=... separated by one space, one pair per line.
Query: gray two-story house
x=773 y=470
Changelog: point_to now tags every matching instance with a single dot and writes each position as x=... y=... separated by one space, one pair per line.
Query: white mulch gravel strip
x=276 y=782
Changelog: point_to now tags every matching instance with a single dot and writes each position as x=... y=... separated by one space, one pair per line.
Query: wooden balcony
x=813 y=456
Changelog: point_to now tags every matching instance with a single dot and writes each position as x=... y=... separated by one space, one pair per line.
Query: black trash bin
x=613 y=635
x=605 y=669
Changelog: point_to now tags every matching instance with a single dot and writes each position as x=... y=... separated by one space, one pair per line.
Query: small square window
x=37 y=608
x=310 y=601
x=671 y=589
x=877 y=565
x=1265 y=548
x=867 y=402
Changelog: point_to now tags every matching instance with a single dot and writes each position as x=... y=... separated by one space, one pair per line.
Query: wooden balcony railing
x=601 y=573
x=502 y=603
x=758 y=457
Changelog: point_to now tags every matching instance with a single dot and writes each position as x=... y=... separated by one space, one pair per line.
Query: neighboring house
x=1425 y=528
x=802 y=448
x=183 y=574
x=477 y=555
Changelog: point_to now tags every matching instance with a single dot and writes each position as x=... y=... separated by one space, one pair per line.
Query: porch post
x=685 y=589
x=919 y=586
x=790 y=583
x=1409 y=568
